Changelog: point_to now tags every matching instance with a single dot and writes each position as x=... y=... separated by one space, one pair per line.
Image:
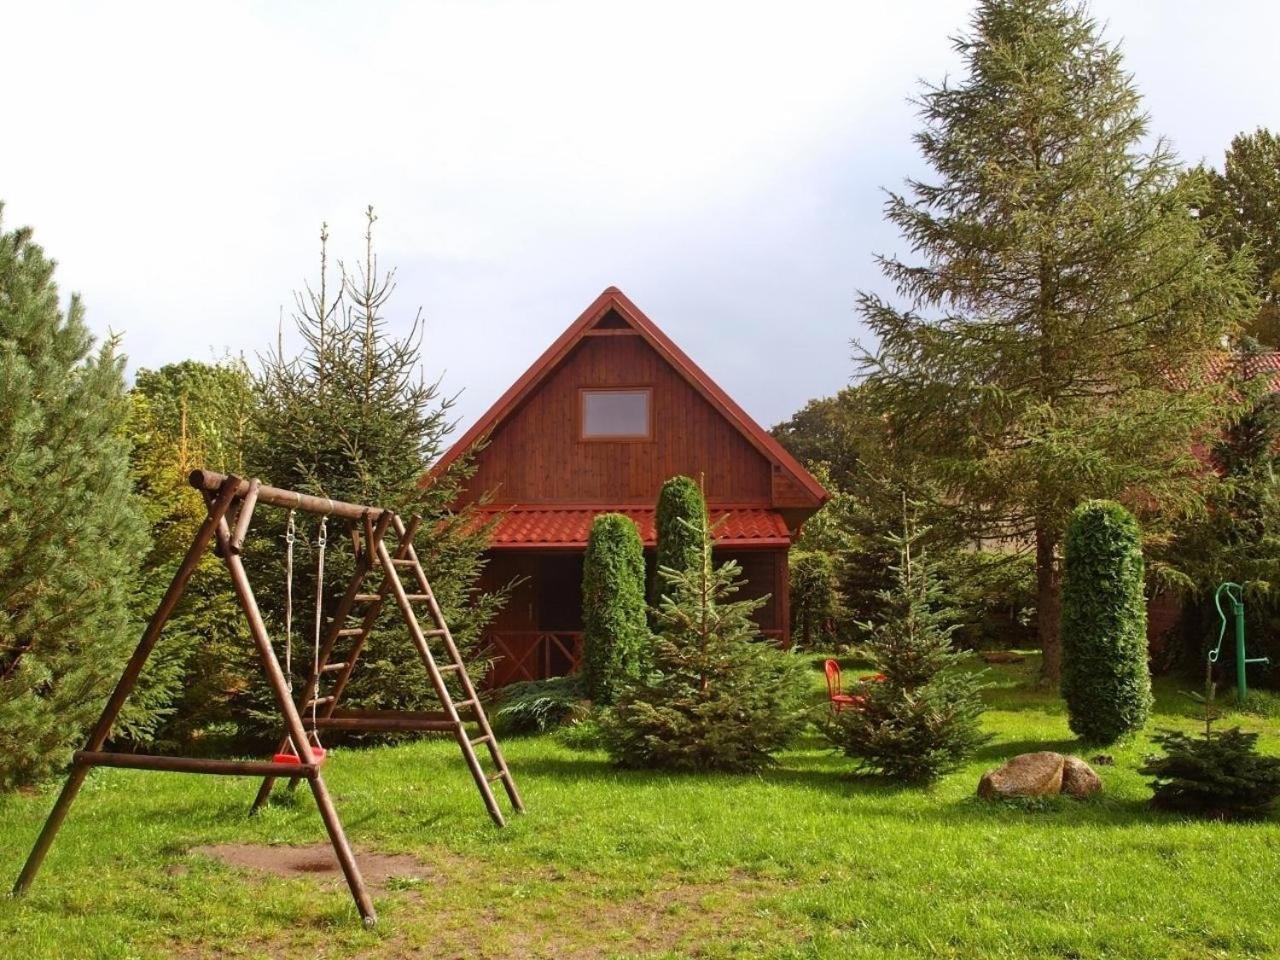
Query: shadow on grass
x=1002 y=750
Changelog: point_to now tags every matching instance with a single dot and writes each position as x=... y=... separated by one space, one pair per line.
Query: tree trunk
x=1048 y=607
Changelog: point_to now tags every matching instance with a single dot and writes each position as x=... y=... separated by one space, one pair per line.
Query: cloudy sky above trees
x=721 y=163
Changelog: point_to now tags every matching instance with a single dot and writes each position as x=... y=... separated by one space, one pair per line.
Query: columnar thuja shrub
x=681 y=515
x=615 y=630
x=815 y=602
x=1105 y=680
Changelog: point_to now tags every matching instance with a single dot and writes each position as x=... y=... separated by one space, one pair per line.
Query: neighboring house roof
x=1226 y=365
x=569 y=526
x=614 y=299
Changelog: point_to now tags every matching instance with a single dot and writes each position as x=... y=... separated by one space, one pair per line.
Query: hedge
x=1105 y=679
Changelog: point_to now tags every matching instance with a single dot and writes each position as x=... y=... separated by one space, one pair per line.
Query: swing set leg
x=218 y=507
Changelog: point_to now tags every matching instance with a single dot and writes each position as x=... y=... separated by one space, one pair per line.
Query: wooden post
x=782 y=582
x=80 y=768
x=245 y=515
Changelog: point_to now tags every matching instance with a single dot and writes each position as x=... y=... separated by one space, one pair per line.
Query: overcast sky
x=722 y=163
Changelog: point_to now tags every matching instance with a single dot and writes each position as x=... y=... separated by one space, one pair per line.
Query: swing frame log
x=216 y=532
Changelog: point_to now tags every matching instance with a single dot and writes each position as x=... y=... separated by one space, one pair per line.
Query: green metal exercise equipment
x=1235 y=593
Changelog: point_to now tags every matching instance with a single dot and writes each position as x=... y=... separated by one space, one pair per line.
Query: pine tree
x=352 y=418
x=70 y=532
x=715 y=697
x=1066 y=300
x=920 y=715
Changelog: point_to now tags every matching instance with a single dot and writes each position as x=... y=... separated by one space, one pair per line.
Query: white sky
x=721 y=163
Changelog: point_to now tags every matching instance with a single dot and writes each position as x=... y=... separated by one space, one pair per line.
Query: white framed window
x=616 y=413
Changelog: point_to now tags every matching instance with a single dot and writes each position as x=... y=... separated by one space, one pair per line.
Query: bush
x=815 y=603
x=714 y=696
x=1105 y=679
x=535 y=706
x=921 y=717
x=1219 y=775
x=615 y=626
x=681 y=514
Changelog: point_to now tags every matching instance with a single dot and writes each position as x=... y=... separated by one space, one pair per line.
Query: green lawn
x=804 y=860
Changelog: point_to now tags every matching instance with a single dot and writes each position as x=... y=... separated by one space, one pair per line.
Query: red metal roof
x=614 y=299
x=569 y=526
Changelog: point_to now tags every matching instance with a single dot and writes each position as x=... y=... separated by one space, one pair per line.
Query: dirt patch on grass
x=463 y=908
x=318 y=861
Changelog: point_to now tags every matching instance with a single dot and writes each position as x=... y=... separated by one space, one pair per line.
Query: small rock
x=1026 y=775
x=1078 y=778
x=1102 y=760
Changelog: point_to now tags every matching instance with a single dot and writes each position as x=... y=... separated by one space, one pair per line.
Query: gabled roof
x=613 y=299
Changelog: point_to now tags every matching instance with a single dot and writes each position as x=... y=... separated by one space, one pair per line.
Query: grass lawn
x=804 y=860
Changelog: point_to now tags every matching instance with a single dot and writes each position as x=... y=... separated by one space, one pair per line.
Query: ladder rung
x=434 y=633
x=497 y=776
x=320 y=701
x=333 y=667
x=449 y=668
x=367 y=597
x=404 y=562
x=417 y=596
x=350 y=631
x=464 y=703
x=479 y=740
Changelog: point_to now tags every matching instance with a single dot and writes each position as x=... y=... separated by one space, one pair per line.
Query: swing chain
x=322 y=539
x=289 y=538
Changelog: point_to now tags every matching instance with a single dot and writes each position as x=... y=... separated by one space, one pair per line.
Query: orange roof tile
x=569 y=526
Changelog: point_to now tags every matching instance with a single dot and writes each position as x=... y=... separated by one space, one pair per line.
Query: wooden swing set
x=299 y=755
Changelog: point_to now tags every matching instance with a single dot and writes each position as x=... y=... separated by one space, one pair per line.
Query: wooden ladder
x=373 y=554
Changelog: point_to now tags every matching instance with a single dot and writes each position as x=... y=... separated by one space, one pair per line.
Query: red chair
x=839 y=699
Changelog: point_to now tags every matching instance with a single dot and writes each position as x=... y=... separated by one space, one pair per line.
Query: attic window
x=617 y=414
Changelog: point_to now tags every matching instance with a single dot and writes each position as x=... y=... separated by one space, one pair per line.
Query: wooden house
x=611 y=410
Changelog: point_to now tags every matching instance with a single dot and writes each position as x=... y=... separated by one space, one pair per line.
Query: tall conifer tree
x=70 y=531
x=1061 y=280
x=1242 y=209
x=352 y=417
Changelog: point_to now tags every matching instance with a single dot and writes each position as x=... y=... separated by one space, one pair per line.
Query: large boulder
x=1026 y=775
x=1078 y=778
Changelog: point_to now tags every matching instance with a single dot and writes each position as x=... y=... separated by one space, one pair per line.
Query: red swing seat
x=288 y=755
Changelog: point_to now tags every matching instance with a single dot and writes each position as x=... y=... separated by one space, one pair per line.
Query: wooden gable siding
x=536 y=455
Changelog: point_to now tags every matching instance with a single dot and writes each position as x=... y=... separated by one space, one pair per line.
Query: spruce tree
x=615 y=629
x=920 y=714
x=1064 y=301
x=714 y=697
x=352 y=418
x=70 y=532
